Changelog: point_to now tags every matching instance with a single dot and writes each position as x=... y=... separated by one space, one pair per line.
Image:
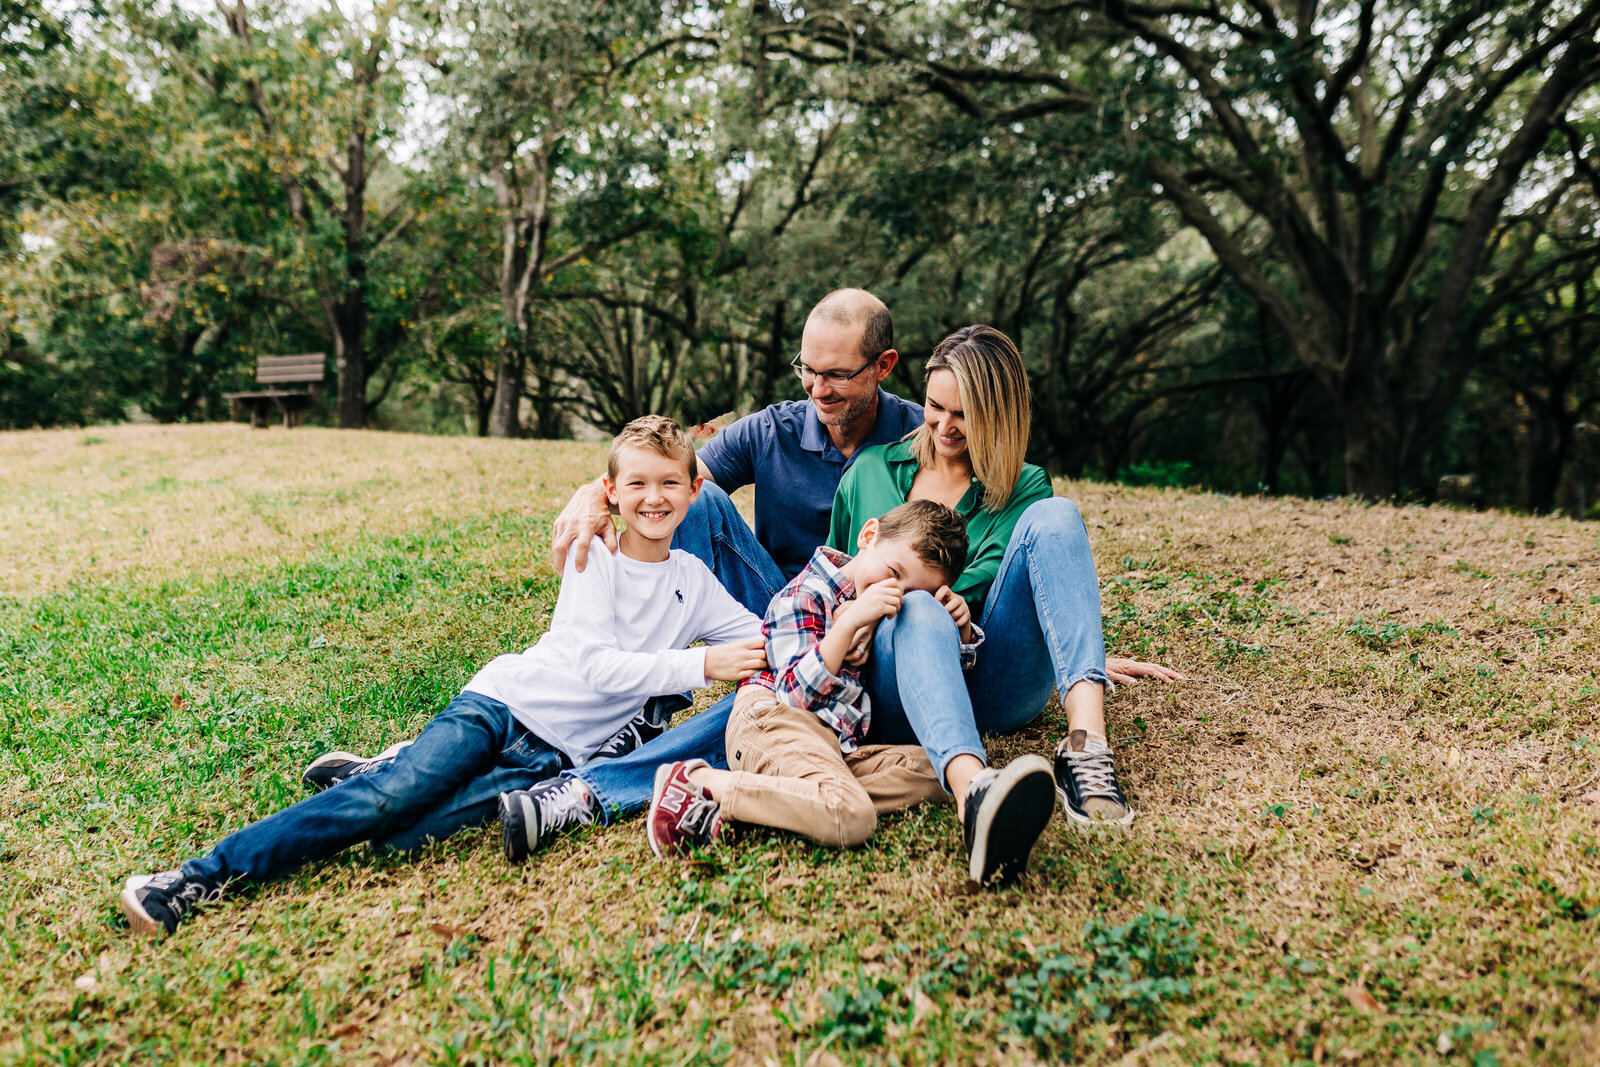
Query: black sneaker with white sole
x=335 y=767
x=1007 y=808
x=530 y=817
x=636 y=732
x=651 y=722
x=1086 y=782
x=156 y=903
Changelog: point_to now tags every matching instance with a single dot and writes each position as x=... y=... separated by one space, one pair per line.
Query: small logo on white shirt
x=679 y=594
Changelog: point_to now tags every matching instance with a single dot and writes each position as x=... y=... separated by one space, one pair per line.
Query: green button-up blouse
x=880 y=479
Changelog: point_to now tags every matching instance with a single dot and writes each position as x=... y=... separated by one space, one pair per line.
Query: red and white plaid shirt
x=796 y=621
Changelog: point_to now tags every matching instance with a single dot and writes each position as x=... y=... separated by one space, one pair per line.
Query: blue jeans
x=1042 y=632
x=450 y=778
x=716 y=533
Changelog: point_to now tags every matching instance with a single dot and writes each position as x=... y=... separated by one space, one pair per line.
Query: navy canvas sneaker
x=1007 y=808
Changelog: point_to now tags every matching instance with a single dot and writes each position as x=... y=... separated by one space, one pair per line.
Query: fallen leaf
x=1444 y=1044
x=448 y=932
x=1452 y=757
x=872 y=952
x=1360 y=999
x=922 y=1006
x=344 y=1030
x=86 y=982
x=1280 y=939
x=1382 y=850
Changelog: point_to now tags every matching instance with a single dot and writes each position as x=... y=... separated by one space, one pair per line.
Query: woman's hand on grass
x=1128 y=671
x=736 y=661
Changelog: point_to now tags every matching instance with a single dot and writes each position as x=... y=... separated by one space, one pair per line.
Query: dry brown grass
x=150 y=502
x=1374 y=778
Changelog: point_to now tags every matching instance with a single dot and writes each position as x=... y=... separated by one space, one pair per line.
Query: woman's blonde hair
x=995 y=402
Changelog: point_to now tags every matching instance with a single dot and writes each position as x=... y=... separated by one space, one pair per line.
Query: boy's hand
x=586 y=514
x=736 y=661
x=960 y=612
x=880 y=600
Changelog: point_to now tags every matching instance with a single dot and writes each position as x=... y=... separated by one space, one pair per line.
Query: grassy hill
x=1369 y=822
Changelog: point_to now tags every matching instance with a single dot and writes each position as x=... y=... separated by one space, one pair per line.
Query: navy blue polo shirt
x=786 y=452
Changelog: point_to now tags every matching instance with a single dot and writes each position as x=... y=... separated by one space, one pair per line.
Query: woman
x=1029 y=586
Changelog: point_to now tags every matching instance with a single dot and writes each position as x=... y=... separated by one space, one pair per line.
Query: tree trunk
x=1372 y=442
x=351 y=317
x=505 y=409
x=481 y=400
x=524 y=223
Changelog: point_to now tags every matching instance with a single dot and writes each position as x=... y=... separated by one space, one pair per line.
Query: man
x=795 y=453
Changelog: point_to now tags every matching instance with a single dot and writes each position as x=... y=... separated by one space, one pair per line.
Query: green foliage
x=598 y=210
x=857 y=1014
x=1135 y=974
x=1379 y=634
x=1164 y=475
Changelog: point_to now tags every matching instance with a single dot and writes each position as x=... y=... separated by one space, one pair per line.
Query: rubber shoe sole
x=663 y=772
x=1078 y=819
x=139 y=920
x=1015 y=812
x=326 y=760
x=514 y=815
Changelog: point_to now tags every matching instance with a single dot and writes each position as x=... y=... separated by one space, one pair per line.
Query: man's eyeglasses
x=831 y=377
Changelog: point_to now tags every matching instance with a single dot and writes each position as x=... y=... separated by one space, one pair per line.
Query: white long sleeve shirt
x=618 y=636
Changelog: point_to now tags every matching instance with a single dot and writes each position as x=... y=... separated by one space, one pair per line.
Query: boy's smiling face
x=652 y=493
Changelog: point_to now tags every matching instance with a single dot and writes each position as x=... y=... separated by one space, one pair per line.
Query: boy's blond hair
x=660 y=435
x=937 y=534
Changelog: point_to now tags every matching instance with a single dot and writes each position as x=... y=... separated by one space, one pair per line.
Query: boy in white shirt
x=619 y=636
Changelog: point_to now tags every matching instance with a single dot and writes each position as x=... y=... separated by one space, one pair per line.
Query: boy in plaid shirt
x=797 y=755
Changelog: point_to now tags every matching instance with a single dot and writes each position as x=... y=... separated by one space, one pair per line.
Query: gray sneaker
x=335 y=767
x=1007 y=808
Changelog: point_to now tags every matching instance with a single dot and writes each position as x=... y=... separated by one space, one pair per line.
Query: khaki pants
x=788 y=773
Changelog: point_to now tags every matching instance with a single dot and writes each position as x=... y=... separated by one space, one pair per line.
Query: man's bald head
x=857 y=307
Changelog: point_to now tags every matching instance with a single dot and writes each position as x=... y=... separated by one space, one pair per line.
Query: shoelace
x=698 y=818
x=192 y=895
x=1094 y=773
x=563 y=806
x=626 y=740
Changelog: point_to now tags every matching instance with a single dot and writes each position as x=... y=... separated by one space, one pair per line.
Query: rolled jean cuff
x=983 y=758
x=1089 y=674
x=602 y=805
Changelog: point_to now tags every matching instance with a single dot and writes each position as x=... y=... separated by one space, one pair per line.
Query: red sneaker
x=682 y=815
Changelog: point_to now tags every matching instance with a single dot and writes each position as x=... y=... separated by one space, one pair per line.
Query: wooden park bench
x=275 y=371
